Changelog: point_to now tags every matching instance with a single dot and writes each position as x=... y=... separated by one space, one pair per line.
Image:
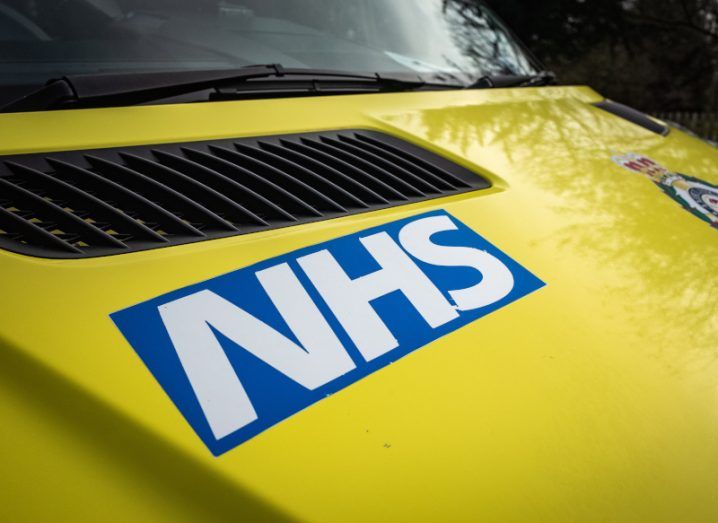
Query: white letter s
x=497 y=281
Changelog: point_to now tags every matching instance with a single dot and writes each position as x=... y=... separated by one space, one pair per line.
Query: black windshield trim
x=110 y=90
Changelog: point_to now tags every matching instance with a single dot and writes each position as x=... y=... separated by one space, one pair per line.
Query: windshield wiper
x=111 y=90
x=513 y=80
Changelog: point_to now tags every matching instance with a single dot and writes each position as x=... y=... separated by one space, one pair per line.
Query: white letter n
x=321 y=358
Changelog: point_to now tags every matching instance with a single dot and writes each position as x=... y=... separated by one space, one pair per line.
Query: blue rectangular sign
x=241 y=352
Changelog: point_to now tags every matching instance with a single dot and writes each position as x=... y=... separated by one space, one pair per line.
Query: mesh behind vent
x=112 y=201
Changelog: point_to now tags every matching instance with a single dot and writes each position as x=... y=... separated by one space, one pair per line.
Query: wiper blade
x=108 y=90
x=121 y=88
x=513 y=80
x=312 y=86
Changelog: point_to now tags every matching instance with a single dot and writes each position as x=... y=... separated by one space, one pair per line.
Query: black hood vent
x=634 y=116
x=111 y=201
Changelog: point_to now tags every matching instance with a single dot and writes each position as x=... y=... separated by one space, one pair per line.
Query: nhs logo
x=241 y=352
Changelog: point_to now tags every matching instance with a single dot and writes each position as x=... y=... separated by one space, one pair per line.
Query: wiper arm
x=103 y=90
x=126 y=88
x=514 y=80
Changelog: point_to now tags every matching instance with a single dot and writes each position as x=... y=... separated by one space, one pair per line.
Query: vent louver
x=112 y=201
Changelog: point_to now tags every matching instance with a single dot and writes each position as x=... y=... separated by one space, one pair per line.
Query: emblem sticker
x=239 y=353
x=696 y=196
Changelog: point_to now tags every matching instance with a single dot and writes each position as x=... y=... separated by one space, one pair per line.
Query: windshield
x=46 y=39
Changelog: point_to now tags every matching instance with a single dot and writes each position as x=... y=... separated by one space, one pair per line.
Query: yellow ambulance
x=342 y=261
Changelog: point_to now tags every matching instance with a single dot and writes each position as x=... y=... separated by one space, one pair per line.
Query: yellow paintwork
x=594 y=399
